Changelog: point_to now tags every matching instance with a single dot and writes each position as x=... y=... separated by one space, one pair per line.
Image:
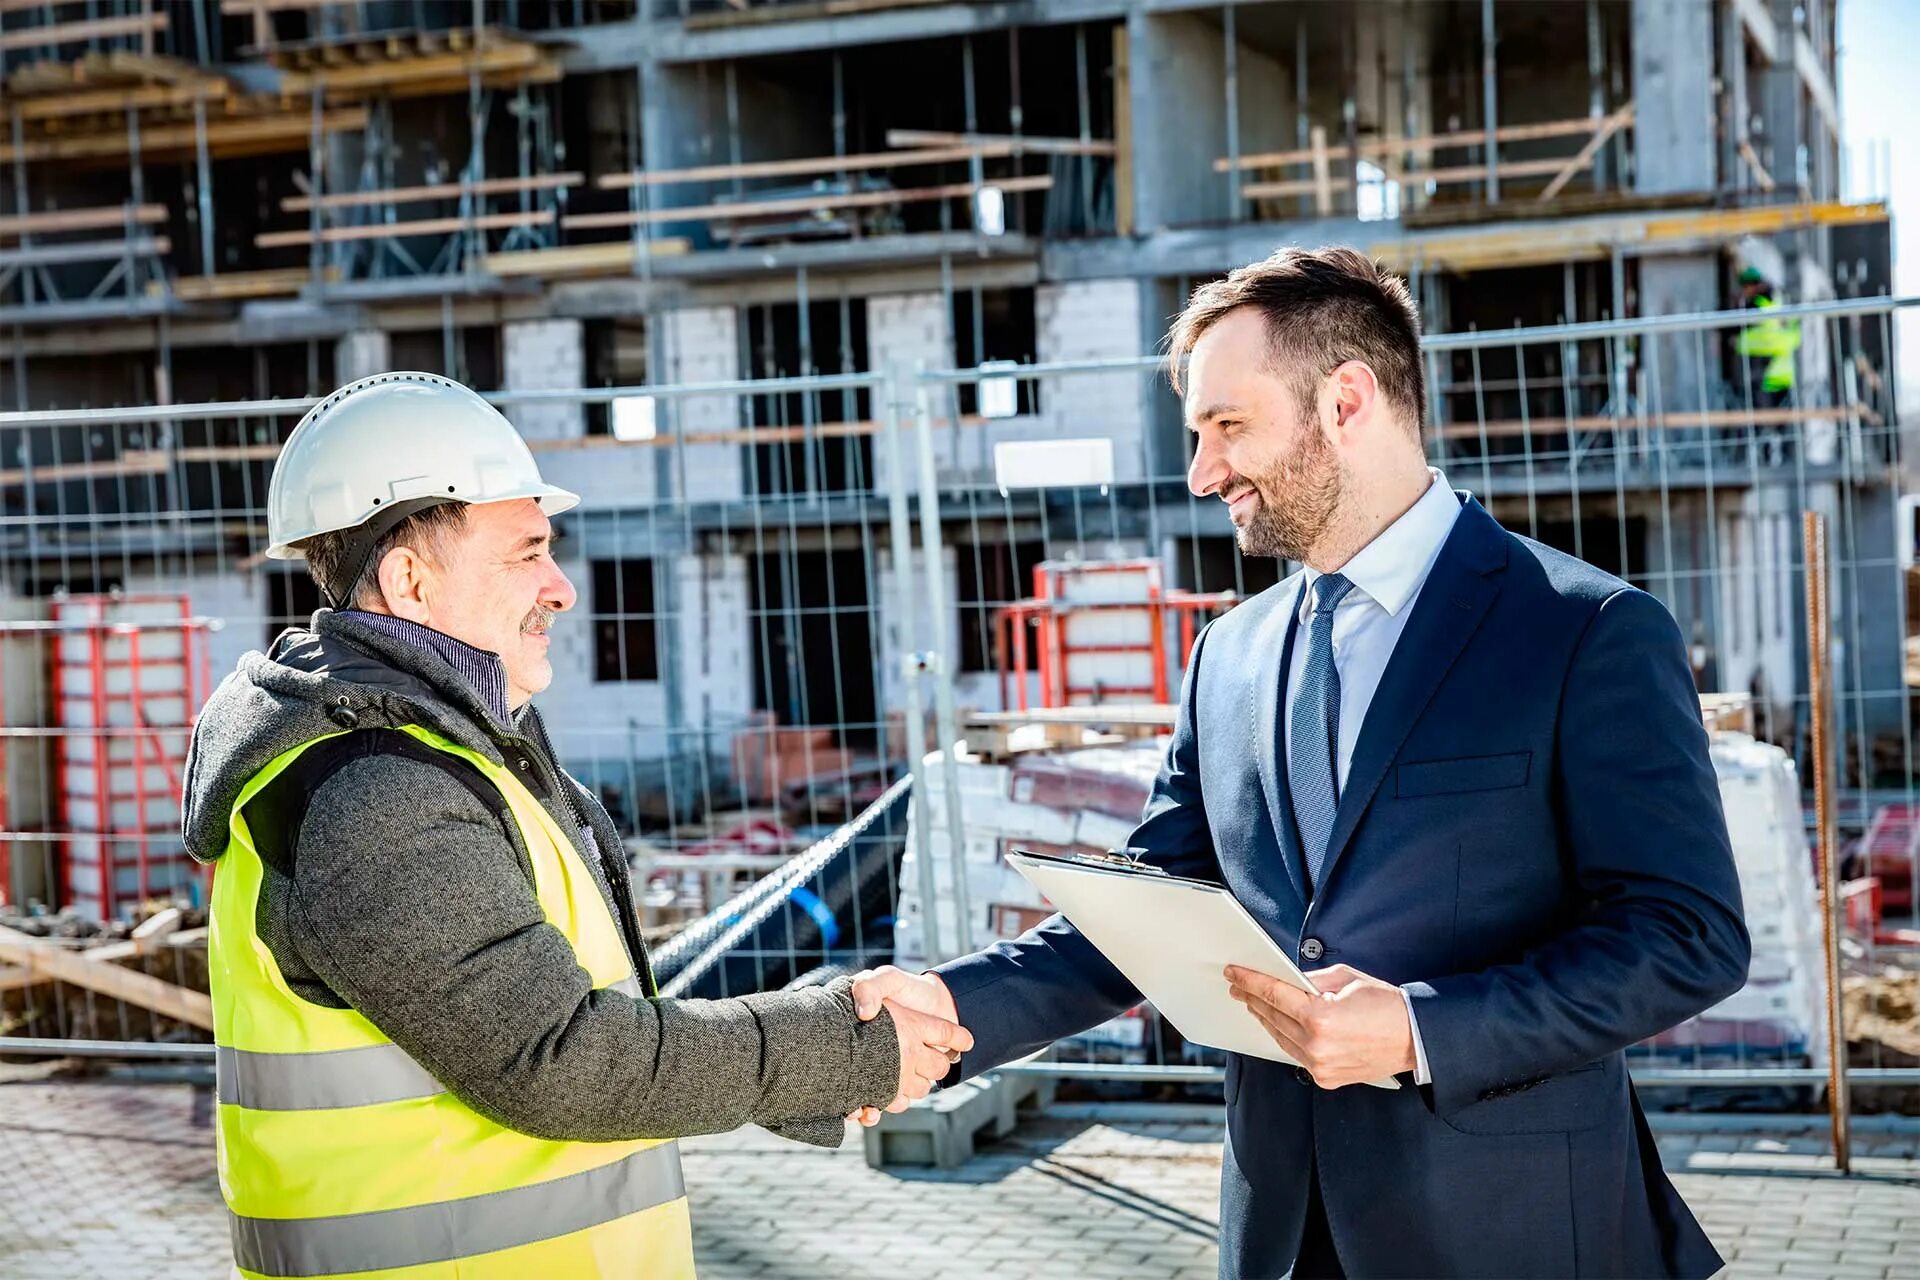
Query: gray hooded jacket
x=396 y=884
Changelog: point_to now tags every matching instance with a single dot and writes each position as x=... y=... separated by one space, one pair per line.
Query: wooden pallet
x=235 y=286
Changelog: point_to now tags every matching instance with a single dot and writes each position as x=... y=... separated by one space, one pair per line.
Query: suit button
x=1311 y=949
x=1303 y=1075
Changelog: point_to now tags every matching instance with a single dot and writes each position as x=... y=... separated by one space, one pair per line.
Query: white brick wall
x=714 y=656
x=906 y=331
x=1090 y=320
x=361 y=354
x=702 y=344
x=543 y=355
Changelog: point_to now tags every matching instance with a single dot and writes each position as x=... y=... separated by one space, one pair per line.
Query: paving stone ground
x=115 y=1179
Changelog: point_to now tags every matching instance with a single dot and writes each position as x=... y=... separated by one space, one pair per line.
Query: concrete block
x=545 y=355
x=940 y=1131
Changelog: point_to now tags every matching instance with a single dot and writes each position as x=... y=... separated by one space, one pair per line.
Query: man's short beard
x=1297 y=499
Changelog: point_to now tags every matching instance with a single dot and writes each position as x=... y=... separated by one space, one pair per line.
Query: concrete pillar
x=361 y=354
x=1176 y=63
x=545 y=355
x=1674 y=128
x=1680 y=370
x=701 y=344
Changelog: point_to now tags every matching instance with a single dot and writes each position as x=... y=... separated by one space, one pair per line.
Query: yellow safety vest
x=340 y=1155
x=1774 y=341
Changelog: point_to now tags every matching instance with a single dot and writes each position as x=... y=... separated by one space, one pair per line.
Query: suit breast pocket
x=1466 y=773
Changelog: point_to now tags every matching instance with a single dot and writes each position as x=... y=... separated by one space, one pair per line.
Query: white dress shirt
x=1387 y=576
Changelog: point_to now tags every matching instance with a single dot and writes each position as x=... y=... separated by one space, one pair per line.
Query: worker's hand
x=1355 y=1030
x=923 y=1000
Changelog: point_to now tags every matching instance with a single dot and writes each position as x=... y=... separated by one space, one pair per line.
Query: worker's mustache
x=539 y=621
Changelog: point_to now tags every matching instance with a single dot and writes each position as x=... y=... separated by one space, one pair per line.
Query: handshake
x=924 y=1017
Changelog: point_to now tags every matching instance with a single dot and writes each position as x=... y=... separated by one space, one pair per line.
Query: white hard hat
x=384 y=447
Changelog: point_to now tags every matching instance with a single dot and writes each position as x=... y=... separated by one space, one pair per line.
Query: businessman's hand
x=919 y=995
x=1354 y=1031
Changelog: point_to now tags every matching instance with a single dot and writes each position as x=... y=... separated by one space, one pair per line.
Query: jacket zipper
x=622 y=901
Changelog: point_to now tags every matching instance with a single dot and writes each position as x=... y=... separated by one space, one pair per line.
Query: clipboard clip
x=1129 y=859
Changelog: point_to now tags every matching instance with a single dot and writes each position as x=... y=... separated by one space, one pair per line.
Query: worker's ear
x=406 y=584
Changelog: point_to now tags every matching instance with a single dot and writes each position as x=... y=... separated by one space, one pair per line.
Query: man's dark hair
x=425 y=532
x=1323 y=307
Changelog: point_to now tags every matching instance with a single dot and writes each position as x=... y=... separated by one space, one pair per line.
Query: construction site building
x=253 y=200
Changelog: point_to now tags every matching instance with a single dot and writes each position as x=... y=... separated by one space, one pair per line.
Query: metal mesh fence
x=794 y=590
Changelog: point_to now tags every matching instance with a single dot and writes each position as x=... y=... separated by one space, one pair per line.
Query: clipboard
x=1171 y=936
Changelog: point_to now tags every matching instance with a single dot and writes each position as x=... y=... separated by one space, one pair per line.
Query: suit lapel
x=1277 y=636
x=1460 y=588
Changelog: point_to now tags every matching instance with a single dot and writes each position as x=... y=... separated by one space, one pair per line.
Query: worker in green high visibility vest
x=1768 y=345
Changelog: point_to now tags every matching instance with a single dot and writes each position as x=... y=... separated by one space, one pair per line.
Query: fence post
x=937 y=665
x=1820 y=688
x=901 y=537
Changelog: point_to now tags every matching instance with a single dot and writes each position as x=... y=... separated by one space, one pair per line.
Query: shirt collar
x=1390 y=569
x=482 y=668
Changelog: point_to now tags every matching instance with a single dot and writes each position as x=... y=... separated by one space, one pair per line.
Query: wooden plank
x=1584 y=157
x=72 y=32
x=289 y=131
x=89 y=219
x=58 y=106
x=1760 y=174
x=231 y=286
x=52 y=961
x=148 y=934
x=1692 y=420
x=1039 y=146
x=419 y=227
x=378 y=75
x=1122 y=132
x=1375 y=147
x=740 y=435
x=806 y=204
x=807 y=165
x=614 y=258
x=1322 y=190
x=1760 y=27
x=145 y=463
x=437 y=191
x=1461 y=173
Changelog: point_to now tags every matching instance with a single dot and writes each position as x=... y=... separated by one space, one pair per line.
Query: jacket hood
x=335 y=675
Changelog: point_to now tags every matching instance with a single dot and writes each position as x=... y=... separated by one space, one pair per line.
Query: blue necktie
x=1313 y=762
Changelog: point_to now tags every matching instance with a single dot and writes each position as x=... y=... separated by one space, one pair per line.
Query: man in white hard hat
x=439 y=1043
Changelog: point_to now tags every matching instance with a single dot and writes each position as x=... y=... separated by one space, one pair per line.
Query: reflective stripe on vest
x=330 y=1078
x=339 y=1154
x=395 y=1238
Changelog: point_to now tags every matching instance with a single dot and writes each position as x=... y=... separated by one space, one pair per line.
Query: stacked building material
x=1079 y=801
x=1778 y=1018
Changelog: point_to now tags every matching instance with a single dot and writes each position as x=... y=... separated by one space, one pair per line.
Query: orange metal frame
x=1049 y=613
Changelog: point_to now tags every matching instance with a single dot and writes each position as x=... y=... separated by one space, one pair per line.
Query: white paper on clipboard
x=1172 y=938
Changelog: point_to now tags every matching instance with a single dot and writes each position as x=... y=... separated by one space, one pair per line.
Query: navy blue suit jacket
x=1531 y=839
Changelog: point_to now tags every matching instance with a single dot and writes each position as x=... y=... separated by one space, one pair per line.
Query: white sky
x=1877 y=42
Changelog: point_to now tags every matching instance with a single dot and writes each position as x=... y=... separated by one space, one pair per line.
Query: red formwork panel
x=127 y=673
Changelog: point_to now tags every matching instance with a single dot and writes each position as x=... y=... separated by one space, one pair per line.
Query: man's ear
x=1354 y=391
x=403 y=584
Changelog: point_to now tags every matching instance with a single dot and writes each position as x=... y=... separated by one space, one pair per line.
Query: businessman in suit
x=1462 y=779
